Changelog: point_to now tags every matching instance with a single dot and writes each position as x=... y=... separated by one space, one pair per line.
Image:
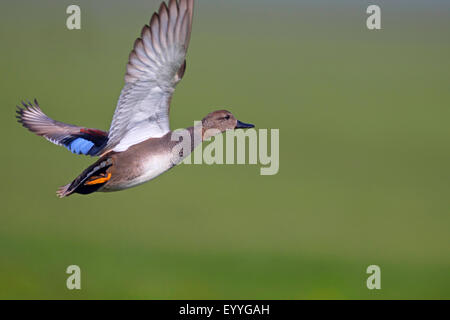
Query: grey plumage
x=156 y=64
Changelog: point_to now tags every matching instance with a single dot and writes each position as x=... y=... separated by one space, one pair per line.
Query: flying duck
x=139 y=145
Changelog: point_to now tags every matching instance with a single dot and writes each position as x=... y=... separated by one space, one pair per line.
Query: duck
x=139 y=145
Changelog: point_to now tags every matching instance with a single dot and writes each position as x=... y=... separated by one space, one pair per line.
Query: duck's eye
x=227 y=117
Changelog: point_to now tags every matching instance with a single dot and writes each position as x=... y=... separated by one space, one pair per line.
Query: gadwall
x=139 y=145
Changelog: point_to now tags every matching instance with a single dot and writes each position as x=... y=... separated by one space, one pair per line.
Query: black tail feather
x=82 y=183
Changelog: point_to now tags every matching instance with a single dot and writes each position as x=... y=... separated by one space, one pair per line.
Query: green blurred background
x=364 y=155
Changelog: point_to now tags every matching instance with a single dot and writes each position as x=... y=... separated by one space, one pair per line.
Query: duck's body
x=140 y=163
x=139 y=145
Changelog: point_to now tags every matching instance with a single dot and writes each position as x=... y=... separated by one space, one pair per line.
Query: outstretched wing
x=78 y=140
x=155 y=66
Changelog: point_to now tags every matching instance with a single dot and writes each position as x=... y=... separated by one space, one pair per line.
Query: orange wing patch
x=98 y=179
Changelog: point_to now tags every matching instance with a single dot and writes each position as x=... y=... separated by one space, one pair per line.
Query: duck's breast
x=138 y=165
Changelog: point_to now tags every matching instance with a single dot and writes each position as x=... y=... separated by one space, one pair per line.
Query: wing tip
x=163 y=8
x=177 y=25
x=29 y=111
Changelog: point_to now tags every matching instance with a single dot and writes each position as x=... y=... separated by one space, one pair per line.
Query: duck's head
x=222 y=120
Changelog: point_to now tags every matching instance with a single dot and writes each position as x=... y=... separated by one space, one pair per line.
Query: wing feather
x=79 y=140
x=155 y=66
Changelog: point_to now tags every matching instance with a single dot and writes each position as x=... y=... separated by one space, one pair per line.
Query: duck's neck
x=185 y=141
x=196 y=135
x=199 y=134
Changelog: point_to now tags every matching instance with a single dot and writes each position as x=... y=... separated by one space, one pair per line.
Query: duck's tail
x=63 y=191
x=90 y=180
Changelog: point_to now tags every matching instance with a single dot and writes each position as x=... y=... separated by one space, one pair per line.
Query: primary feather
x=76 y=139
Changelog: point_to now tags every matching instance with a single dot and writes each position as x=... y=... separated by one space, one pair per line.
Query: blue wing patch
x=85 y=143
x=80 y=146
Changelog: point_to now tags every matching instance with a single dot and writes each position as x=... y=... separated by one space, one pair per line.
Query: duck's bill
x=243 y=125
